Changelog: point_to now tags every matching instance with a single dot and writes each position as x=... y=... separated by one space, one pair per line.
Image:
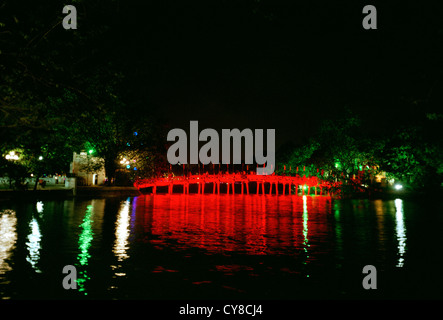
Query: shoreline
x=62 y=193
x=119 y=191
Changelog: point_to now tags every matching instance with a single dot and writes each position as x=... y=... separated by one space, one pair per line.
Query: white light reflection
x=8 y=237
x=33 y=245
x=122 y=231
x=400 y=231
x=39 y=206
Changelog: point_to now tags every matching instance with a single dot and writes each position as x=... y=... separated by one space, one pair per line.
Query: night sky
x=276 y=64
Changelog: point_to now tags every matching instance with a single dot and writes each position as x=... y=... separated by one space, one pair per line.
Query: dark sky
x=278 y=64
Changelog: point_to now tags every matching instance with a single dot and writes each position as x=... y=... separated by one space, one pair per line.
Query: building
x=88 y=169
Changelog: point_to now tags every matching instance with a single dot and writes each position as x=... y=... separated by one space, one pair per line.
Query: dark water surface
x=221 y=246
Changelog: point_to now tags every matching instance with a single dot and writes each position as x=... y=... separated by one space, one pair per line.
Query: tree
x=59 y=92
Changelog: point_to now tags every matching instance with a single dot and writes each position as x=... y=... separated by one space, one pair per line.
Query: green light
x=84 y=243
x=305 y=223
x=305 y=230
x=91 y=151
x=85 y=237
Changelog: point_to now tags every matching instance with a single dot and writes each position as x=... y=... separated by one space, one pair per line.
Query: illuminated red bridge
x=235 y=183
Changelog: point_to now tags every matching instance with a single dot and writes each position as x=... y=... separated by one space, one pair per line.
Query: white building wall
x=79 y=167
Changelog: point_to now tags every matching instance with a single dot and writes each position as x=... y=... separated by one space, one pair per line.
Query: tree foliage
x=59 y=93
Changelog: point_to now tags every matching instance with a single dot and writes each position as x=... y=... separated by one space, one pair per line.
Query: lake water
x=221 y=246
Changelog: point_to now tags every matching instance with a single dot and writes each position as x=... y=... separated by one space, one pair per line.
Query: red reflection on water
x=227 y=223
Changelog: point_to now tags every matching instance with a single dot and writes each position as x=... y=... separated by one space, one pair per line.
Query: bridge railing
x=236 y=178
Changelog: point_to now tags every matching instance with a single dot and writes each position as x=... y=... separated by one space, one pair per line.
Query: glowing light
x=39 y=206
x=398 y=187
x=84 y=243
x=8 y=238
x=85 y=237
x=122 y=231
x=91 y=151
x=400 y=231
x=40 y=158
x=128 y=166
x=11 y=156
x=33 y=245
x=305 y=222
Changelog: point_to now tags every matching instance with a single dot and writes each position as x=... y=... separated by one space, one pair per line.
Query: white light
x=39 y=207
x=398 y=186
x=122 y=231
x=40 y=158
x=11 y=156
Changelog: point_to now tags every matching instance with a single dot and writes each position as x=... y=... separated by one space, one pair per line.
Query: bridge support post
x=154 y=189
x=247 y=187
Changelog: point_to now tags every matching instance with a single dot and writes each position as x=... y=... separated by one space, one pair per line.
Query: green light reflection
x=305 y=229
x=84 y=243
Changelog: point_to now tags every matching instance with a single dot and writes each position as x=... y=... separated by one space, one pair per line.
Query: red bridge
x=228 y=181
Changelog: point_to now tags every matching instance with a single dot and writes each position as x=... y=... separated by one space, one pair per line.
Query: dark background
x=254 y=63
x=280 y=64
